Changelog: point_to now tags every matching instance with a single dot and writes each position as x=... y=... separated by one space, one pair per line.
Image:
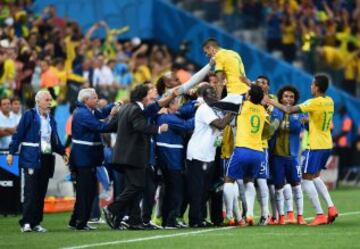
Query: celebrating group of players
x=262 y=147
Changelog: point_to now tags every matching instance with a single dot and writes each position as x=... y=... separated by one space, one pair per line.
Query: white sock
x=323 y=191
x=241 y=186
x=264 y=196
x=310 y=190
x=250 y=194
x=299 y=199
x=280 y=201
x=237 y=212
x=273 y=201
x=288 y=198
x=229 y=198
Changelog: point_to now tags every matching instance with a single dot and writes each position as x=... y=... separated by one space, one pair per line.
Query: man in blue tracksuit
x=285 y=147
x=170 y=152
x=87 y=153
x=38 y=137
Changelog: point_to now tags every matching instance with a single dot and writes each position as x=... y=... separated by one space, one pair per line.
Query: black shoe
x=151 y=226
x=86 y=228
x=137 y=227
x=72 y=225
x=109 y=218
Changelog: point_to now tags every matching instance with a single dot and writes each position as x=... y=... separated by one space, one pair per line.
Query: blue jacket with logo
x=87 y=148
x=295 y=127
x=170 y=145
x=28 y=136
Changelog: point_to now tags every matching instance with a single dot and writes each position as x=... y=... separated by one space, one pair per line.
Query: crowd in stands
x=47 y=51
x=320 y=35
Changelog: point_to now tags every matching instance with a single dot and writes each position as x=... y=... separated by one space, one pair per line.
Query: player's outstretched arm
x=287 y=109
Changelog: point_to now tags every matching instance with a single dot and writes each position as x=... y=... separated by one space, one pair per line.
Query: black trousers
x=86 y=190
x=129 y=199
x=199 y=176
x=35 y=186
x=173 y=196
x=148 y=197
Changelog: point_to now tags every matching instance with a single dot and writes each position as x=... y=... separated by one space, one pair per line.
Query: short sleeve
x=307 y=106
x=206 y=114
x=219 y=64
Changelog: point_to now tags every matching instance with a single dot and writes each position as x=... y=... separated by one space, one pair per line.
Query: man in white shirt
x=201 y=154
x=8 y=123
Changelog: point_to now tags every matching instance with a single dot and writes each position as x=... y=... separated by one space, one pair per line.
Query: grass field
x=345 y=233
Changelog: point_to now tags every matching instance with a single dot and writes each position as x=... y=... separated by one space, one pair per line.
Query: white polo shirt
x=202 y=142
x=7 y=122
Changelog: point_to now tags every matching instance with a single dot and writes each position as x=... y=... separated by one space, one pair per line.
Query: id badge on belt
x=45 y=147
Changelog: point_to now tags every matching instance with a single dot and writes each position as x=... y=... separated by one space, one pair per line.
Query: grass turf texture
x=345 y=233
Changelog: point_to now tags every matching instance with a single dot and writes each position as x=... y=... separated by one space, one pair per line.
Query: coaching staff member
x=38 y=137
x=87 y=153
x=131 y=155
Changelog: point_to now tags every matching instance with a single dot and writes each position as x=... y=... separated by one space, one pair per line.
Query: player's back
x=250 y=125
x=321 y=110
x=231 y=64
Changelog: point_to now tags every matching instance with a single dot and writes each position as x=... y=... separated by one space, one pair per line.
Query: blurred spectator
x=343 y=141
x=8 y=123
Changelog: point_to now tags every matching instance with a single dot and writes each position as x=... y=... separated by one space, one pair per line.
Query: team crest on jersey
x=296 y=116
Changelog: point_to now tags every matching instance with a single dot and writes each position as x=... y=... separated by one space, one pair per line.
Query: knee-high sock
x=323 y=191
x=229 y=198
x=236 y=207
x=288 y=197
x=264 y=196
x=241 y=187
x=299 y=199
x=274 y=212
x=310 y=190
x=250 y=194
x=280 y=200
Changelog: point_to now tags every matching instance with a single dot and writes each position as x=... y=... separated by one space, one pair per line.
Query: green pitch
x=345 y=233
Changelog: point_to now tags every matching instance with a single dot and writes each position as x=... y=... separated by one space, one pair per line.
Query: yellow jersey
x=321 y=110
x=250 y=125
x=230 y=63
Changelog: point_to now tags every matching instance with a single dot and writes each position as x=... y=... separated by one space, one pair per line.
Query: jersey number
x=327 y=116
x=255 y=123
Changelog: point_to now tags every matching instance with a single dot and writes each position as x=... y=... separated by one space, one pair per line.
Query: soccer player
x=246 y=159
x=285 y=151
x=320 y=109
x=263 y=176
x=229 y=70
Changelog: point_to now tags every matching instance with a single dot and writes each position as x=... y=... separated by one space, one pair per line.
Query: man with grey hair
x=87 y=153
x=38 y=137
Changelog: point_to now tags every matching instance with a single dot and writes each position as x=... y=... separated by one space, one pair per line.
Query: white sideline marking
x=164 y=236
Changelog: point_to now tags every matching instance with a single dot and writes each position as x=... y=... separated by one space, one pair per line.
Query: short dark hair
x=139 y=92
x=288 y=88
x=160 y=85
x=201 y=91
x=256 y=94
x=265 y=78
x=211 y=42
x=3 y=98
x=322 y=82
x=15 y=98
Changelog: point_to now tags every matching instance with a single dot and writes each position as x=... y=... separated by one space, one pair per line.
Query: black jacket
x=133 y=137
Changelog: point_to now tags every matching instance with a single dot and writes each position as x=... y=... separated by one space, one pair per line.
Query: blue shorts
x=264 y=167
x=244 y=163
x=285 y=168
x=314 y=161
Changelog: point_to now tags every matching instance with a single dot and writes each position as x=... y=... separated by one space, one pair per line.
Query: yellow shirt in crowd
x=321 y=110
x=250 y=125
x=9 y=71
x=230 y=63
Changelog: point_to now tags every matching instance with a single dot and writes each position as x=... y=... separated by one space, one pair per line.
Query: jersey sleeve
x=307 y=106
x=219 y=63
